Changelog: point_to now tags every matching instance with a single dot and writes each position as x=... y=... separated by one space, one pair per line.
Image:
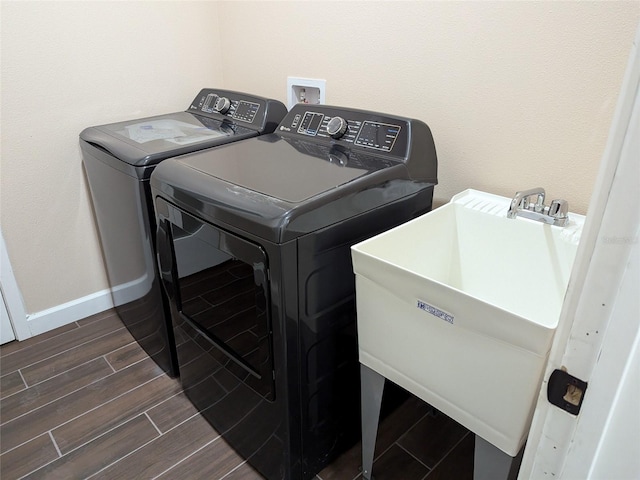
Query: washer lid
x=147 y=141
x=286 y=169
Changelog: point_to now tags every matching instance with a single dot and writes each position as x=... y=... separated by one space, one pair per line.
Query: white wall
x=67 y=66
x=518 y=94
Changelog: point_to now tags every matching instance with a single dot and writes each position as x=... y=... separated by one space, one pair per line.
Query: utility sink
x=460 y=305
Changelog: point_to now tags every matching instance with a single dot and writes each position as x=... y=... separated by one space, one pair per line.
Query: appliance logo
x=436 y=312
x=286 y=129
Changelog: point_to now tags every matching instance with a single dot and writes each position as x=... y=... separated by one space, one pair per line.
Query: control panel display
x=310 y=123
x=377 y=135
x=246 y=111
x=209 y=102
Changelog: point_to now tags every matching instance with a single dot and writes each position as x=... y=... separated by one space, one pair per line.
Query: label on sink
x=436 y=312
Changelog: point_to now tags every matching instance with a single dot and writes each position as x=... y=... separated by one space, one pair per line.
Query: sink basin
x=460 y=305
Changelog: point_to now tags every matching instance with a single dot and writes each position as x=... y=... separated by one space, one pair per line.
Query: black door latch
x=566 y=391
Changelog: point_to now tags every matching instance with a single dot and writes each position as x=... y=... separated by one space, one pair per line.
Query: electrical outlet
x=305 y=90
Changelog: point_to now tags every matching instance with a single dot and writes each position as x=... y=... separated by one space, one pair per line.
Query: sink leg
x=372 y=386
x=491 y=463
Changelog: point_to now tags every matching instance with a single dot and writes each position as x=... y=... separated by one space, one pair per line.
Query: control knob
x=222 y=105
x=337 y=127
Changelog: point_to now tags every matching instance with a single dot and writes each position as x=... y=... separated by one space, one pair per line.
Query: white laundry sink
x=460 y=305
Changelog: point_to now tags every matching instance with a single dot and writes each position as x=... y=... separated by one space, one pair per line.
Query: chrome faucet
x=557 y=213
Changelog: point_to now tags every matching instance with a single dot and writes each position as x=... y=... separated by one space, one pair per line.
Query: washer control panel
x=236 y=108
x=375 y=131
x=250 y=111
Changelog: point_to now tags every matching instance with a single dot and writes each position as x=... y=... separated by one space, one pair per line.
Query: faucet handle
x=558 y=208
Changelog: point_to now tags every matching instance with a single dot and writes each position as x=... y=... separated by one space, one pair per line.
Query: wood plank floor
x=85 y=401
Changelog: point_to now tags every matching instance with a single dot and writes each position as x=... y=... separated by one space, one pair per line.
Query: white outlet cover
x=292 y=82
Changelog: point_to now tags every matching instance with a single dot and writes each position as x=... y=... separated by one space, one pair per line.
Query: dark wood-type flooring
x=85 y=401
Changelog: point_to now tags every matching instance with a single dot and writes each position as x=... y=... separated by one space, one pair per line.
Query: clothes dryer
x=118 y=159
x=265 y=293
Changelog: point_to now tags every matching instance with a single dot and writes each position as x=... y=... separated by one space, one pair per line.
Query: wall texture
x=517 y=94
x=67 y=66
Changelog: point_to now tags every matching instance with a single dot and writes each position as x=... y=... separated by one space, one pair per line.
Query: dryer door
x=220 y=289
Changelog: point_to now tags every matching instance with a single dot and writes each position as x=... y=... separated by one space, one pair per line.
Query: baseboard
x=69 y=312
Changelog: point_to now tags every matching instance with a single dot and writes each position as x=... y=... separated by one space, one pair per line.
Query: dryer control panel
x=375 y=131
x=399 y=138
x=236 y=107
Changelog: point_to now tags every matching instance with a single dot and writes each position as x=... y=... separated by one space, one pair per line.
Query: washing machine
x=254 y=253
x=118 y=160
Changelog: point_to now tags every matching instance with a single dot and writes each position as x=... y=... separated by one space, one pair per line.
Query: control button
x=336 y=127
x=222 y=105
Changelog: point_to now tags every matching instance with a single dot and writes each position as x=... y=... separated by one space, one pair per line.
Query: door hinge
x=566 y=391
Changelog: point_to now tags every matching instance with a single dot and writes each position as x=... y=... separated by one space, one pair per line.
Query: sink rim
x=553 y=270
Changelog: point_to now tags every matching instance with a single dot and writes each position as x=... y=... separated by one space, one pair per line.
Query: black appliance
x=254 y=251
x=118 y=159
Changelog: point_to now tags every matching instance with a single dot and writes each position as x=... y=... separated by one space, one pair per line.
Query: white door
x=598 y=339
x=6 y=330
x=13 y=316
